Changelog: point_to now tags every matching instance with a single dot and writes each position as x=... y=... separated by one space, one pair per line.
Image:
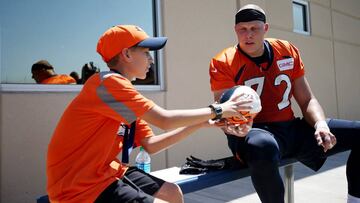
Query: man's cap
x=42 y=65
x=119 y=37
x=250 y=12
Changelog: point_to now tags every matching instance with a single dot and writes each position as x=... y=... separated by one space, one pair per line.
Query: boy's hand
x=236 y=105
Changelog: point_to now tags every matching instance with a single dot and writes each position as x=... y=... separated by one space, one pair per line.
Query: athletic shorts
x=135 y=186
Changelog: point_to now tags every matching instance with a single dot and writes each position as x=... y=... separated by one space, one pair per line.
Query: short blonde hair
x=113 y=61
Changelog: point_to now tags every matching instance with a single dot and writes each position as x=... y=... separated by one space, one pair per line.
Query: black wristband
x=217 y=110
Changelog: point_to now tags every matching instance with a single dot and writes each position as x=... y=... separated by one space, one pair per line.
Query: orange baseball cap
x=119 y=37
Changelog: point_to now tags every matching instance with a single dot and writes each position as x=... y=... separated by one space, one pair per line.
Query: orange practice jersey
x=273 y=81
x=59 y=79
x=82 y=154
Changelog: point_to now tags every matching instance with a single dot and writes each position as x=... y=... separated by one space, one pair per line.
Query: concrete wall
x=197 y=30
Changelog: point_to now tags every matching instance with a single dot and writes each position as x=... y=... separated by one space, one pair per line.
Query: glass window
x=301 y=17
x=65 y=34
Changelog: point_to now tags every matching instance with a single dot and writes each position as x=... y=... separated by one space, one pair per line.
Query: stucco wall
x=197 y=30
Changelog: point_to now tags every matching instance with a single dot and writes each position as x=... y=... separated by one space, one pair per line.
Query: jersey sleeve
x=298 y=64
x=142 y=131
x=122 y=101
x=221 y=76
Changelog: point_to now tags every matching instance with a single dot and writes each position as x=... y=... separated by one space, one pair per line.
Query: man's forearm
x=314 y=112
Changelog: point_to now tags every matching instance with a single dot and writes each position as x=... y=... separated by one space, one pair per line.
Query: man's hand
x=323 y=135
x=239 y=130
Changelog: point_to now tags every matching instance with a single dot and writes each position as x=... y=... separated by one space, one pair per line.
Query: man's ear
x=266 y=27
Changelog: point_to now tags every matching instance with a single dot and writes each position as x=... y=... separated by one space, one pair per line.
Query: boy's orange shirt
x=82 y=154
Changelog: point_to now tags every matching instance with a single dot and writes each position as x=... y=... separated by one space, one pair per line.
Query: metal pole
x=289 y=183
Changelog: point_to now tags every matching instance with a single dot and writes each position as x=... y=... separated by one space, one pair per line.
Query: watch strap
x=217 y=110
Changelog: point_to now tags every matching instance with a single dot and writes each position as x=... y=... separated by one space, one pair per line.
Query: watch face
x=218 y=112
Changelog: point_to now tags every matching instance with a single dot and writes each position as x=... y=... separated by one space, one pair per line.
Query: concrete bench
x=191 y=183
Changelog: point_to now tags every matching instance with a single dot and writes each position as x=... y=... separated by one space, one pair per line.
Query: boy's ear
x=125 y=54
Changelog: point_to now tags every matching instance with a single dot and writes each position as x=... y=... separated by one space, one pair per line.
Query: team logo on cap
x=139 y=29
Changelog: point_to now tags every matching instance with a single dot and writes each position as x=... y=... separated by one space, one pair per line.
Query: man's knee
x=170 y=192
x=262 y=146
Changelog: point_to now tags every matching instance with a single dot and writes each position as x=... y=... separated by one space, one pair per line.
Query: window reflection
x=44 y=73
x=64 y=33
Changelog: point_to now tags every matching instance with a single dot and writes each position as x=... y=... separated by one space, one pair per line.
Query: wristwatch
x=217 y=110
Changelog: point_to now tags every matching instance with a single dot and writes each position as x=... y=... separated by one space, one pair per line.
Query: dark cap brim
x=153 y=43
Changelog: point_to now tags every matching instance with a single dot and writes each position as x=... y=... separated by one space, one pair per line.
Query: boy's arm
x=171 y=119
x=155 y=144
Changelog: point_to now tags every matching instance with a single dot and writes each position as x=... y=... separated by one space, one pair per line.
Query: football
x=246 y=93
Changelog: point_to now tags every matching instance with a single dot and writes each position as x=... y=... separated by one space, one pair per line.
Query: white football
x=246 y=93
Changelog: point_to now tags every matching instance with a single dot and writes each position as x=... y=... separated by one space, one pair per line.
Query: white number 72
x=259 y=82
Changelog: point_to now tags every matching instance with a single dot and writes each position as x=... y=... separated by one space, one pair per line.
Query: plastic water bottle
x=143 y=160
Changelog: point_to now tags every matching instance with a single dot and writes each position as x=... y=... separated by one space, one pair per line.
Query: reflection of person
x=275 y=70
x=76 y=76
x=88 y=70
x=43 y=73
x=110 y=116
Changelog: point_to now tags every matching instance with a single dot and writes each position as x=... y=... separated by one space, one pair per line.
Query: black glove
x=195 y=165
x=208 y=164
x=187 y=169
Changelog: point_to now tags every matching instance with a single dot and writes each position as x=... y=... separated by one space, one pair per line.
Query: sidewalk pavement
x=327 y=185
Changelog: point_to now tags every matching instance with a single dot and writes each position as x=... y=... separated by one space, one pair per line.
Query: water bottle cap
x=141 y=148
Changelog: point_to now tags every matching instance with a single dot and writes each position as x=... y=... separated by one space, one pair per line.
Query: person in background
x=43 y=73
x=274 y=68
x=87 y=71
x=109 y=116
x=76 y=76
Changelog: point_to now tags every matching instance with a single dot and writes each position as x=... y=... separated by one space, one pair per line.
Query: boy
x=109 y=116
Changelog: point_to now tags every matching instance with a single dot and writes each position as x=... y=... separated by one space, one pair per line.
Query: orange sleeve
x=298 y=64
x=221 y=75
x=143 y=130
x=122 y=101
